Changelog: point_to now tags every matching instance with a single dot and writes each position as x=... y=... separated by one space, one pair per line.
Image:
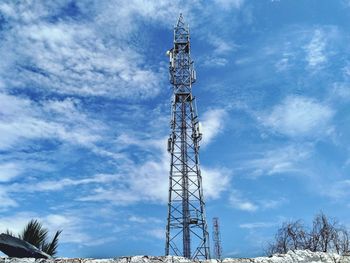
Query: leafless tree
x=290 y=236
x=342 y=242
x=325 y=235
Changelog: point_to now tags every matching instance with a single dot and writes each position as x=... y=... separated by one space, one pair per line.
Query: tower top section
x=181 y=32
x=182 y=73
x=180 y=21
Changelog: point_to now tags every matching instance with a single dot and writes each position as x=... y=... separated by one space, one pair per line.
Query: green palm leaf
x=34 y=233
x=51 y=248
x=9 y=232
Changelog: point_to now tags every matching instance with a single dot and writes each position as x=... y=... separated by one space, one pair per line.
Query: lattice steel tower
x=186 y=233
x=217 y=238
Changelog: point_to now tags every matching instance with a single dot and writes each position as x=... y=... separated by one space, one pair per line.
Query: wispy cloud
x=9 y=171
x=158 y=233
x=73 y=227
x=84 y=114
x=340 y=91
x=5 y=200
x=69 y=59
x=240 y=202
x=137 y=180
x=214 y=61
x=212 y=124
x=337 y=190
x=220 y=52
x=144 y=220
x=298 y=116
x=283 y=160
x=61 y=184
x=148 y=181
x=221 y=46
x=258 y=225
x=29 y=120
x=315 y=50
x=228 y=4
x=74 y=58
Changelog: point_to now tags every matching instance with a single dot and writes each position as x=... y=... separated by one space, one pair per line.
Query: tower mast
x=217 y=238
x=186 y=233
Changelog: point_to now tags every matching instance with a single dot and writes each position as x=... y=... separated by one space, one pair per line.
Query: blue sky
x=85 y=106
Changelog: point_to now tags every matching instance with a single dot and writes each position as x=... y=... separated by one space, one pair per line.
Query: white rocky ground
x=300 y=256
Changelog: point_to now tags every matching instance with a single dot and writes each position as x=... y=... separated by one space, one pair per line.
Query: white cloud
x=16 y=222
x=214 y=61
x=258 y=225
x=71 y=226
x=221 y=46
x=69 y=59
x=8 y=171
x=61 y=184
x=144 y=220
x=228 y=4
x=125 y=14
x=158 y=233
x=63 y=60
x=272 y=204
x=5 y=200
x=73 y=58
x=287 y=159
x=240 y=203
x=288 y=58
x=122 y=197
x=215 y=181
x=24 y=120
x=282 y=64
x=212 y=124
x=13 y=169
x=316 y=55
x=135 y=182
x=337 y=190
x=340 y=90
x=299 y=116
x=149 y=179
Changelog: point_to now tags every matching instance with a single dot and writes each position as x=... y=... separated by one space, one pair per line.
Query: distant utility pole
x=217 y=238
x=186 y=233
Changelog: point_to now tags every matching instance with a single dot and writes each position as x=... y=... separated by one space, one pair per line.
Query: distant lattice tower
x=217 y=238
x=186 y=233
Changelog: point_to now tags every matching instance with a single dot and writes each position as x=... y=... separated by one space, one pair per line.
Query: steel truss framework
x=217 y=238
x=186 y=233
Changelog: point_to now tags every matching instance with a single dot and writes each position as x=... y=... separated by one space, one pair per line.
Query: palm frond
x=51 y=248
x=34 y=233
x=9 y=232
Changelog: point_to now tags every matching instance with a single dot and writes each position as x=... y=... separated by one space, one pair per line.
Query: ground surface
x=300 y=256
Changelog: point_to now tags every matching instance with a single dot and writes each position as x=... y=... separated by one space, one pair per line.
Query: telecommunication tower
x=217 y=238
x=186 y=233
